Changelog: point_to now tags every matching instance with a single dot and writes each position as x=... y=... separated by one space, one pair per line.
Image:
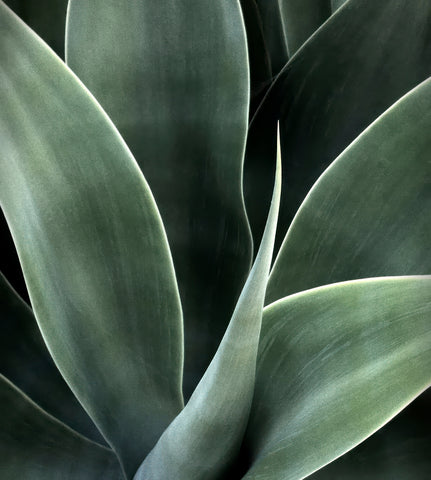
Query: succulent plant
x=145 y=210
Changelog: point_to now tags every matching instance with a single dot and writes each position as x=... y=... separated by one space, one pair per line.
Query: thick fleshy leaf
x=36 y=446
x=26 y=362
x=301 y=18
x=335 y=364
x=92 y=246
x=399 y=451
x=273 y=32
x=336 y=4
x=46 y=17
x=340 y=81
x=203 y=441
x=369 y=213
x=173 y=76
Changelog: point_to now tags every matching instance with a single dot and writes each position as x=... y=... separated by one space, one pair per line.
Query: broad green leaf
x=204 y=440
x=341 y=80
x=273 y=32
x=173 y=76
x=46 y=17
x=334 y=365
x=399 y=450
x=26 y=362
x=91 y=242
x=369 y=213
x=300 y=19
x=36 y=446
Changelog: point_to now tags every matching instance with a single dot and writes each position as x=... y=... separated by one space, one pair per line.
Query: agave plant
x=184 y=353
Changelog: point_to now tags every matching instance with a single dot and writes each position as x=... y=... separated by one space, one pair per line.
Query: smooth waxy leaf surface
x=92 y=246
x=46 y=17
x=368 y=215
x=339 y=82
x=173 y=76
x=203 y=441
x=36 y=446
x=399 y=450
x=26 y=362
x=300 y=19
x=336 y=363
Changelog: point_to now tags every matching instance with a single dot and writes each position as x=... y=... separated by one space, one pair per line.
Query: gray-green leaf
x=26 y=362
x=92 y=245
x=335 y=364
x=173 y=76
x=36 y=446
x=204 y=440
x=369 y=213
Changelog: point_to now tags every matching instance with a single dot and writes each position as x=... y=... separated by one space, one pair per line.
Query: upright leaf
x=36 y=446
x=335 y=364
x=368 y=215
x=342 y=79
x=203 y=441
x=92 y=246
x=26 y=362
x=173 y=76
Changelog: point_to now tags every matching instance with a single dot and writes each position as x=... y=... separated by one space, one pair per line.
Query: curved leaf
x=92 y=246
x=46 y=17
x=301 y=18
x=173 y=76
x=368 y=215
x=202 y=442
x=36 y=446
x=399 y=450
x=341 y=80
x=26 y=362
x=336 y=363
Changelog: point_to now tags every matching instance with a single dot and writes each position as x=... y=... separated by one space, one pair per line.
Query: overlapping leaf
x=336 y=363
x=204 y=440
x=368 y=215
x=339 y=82
x=92 y=246
x=173 y=76
x=36 y=446
x=399 y=450
x=26 y=362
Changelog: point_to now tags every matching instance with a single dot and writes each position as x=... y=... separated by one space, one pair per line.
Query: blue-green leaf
x=173 y=76
x=368 y=215
x=92 y=245
x=204 y=440
x=36 y=446
x=335 y=364
x=26 y=362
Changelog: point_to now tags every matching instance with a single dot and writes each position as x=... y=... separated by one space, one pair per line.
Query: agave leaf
x=341 y=80
x=204 y=440
x=91 y=242
x=36 y=446
x=369 y=213
x=300 y=19
x=273 y=32
x=335 y=364
x=399 y=450
x=173 y=76
x=46 y=17
x=26 y=362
